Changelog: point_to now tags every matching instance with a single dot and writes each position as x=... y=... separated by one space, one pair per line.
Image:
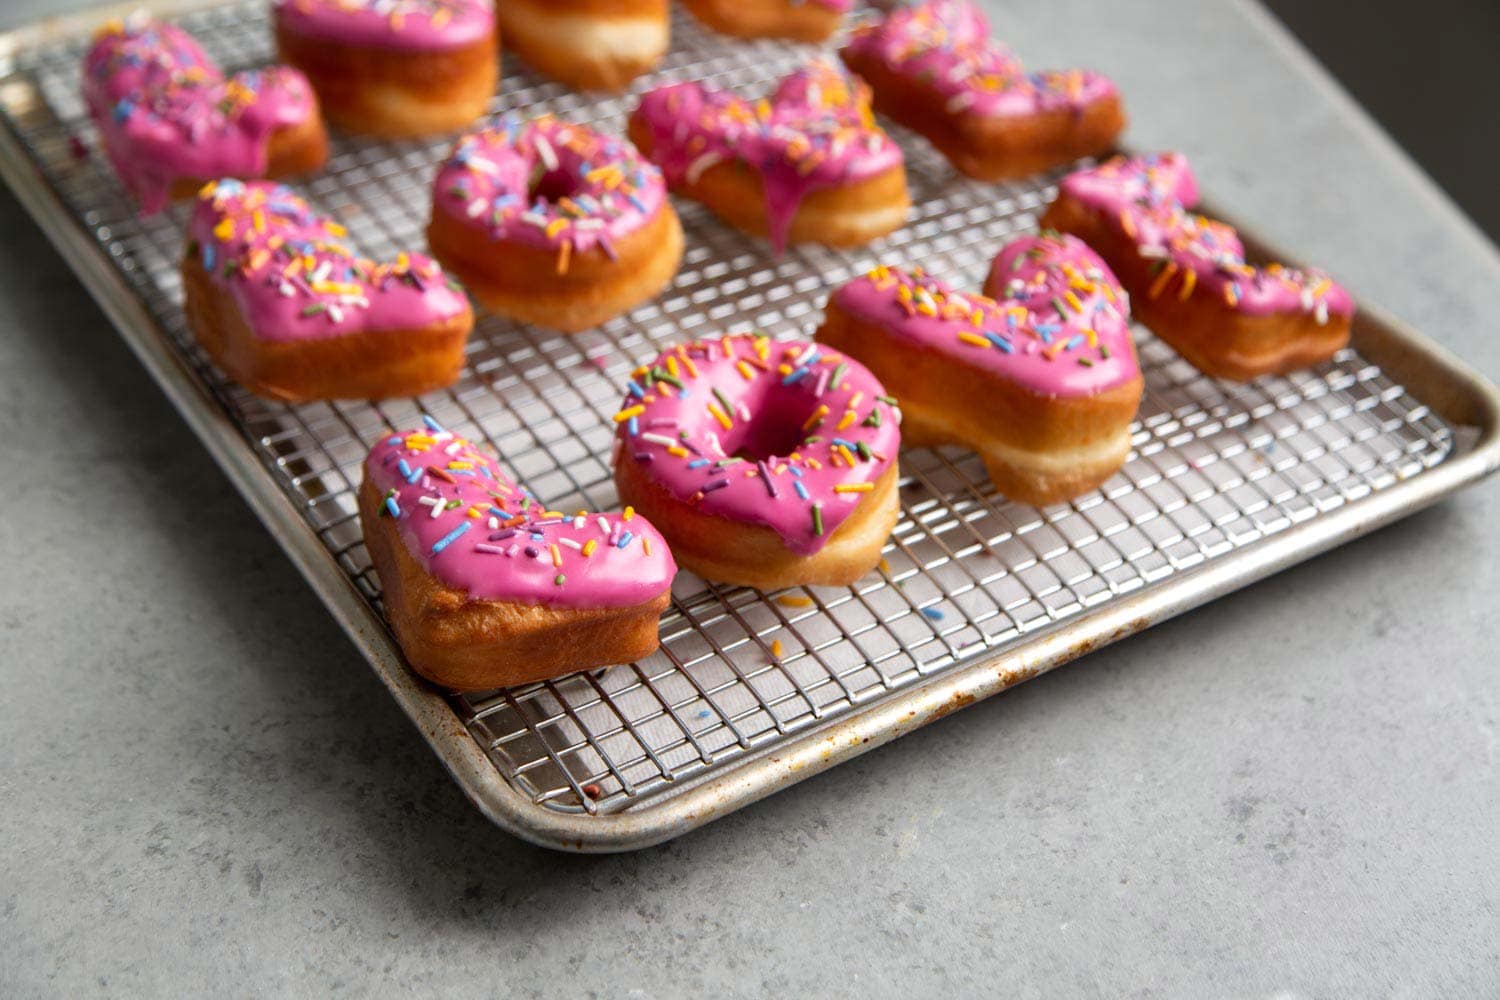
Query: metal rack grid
x=1215 y=467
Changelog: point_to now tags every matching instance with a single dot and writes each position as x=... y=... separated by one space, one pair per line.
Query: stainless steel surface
x=1226 y=484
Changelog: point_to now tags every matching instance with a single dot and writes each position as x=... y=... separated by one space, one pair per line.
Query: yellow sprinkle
x=1189 y=282
x=677 y=451
x=776 y=648
x=816 y=418
x=854 y=487
x=794 y=601
x=885 y=566
x=628 y=412
x=849 y=417
x=745 y=370
x=973 y=338
x=1161 y=280
x=556 y=226
x=225 y=229
x=556 y=555
x=564 y=256
x=334 y=229
x=628 y=513
x=720 y=416
x=646 y=544
x=672 y=368
x=589 y=546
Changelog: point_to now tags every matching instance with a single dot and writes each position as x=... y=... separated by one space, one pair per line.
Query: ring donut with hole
x=485 y=587
x=284 y=307
x=393 y=68
x=1188 y=277
x=807 y=165
x=934 y=68
x=809 y=21
x=765 y=464
x=171 y=121
x=553 y=223
x=587 y=44
x=1041 y=380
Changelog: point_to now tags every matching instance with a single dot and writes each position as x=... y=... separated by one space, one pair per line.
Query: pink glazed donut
x=171 y=121
x=1188 y=277
x=1040 y=379
x=485 y=586
x=807 y=165
x=553 y=223
x=766 y=464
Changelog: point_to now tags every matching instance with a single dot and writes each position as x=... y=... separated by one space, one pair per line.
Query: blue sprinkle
x=796 y=375
x=498 y=512
x=634 y=389
x=432 y=424
x=633 y=426
x=208 y=257
x=450 y=537
x=999 y=342
x=390 y=505
x=697 y=463
x=933 y=613
x=1074 y=344
x=414 y=475
x=801 y=490
x=405 y=469
x=795 y=470
x=624 y=540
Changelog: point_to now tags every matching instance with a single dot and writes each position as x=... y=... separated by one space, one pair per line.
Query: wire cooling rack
x=1217 y=469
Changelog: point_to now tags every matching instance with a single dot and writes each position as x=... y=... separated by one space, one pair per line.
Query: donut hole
x=552 y=185
x=776 y=430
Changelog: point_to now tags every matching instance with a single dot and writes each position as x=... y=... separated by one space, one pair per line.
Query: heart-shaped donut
x=171 y=120
x=485 y=586
x=808 y=164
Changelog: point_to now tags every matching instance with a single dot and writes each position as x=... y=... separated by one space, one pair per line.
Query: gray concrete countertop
x=1291 y=792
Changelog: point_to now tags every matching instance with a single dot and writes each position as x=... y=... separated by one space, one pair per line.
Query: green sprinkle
x=451 y=504
x=1057 y=304
x=667 y=377
x=817 y=519
x=1086 y=362
x=560 y=579
x=888 y=400
x=314 y=309
x=1104 y=351
x=838 y=375
x=864 y=451
x=873 y=420
x=724 y=402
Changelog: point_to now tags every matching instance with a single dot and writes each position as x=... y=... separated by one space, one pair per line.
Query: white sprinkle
x=702 y=163
x=544 y=149
x=493 y=523
x=570 y=543
x=660 y=439
x=476 y=208
x=603 y=524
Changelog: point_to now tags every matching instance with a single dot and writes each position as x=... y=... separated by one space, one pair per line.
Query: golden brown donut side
x=987 y=147
x=750 y=555
x=395 y=94
x=796 y=20
x=1038 y=449
x=587 y=44
x=1217 y=340
x=523 y=282
x=472 y=645
x=849 y=215
x=375 y=364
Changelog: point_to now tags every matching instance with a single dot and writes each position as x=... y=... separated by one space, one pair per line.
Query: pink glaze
x=1060 y=327
x=167 y=113
x=405 y=25
x=1147 y=199
x=944 y=46
x=495 y=541
x=293 y=277
x=815 y=132
x=602 y=189
x=759 y=432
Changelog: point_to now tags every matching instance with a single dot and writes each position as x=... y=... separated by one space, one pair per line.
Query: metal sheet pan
x=1226 y=484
